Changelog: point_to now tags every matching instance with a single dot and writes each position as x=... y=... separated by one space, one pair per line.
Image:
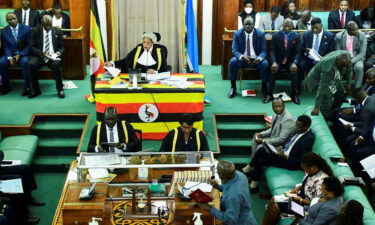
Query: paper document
x=198 y=185
x=103 y=159
x=12 y=163
x=13 y=186
x=371 y=173
x=314 y=55
x=272 y=148
x=98 y=173
x=368 y=163
x=157 y=76
x=69 y=85
x=281 y=198
x=249 y=92
x=113 y=70
x=344 y=122
x=55 y=57
x=283 y=95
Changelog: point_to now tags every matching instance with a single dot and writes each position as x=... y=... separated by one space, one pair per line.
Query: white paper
x=120 y=85
x=14 y=162
x=198 y=185
x=157 y=76
x=103 y=159
x=314 y=201
x=272 y=148
x=368 y=163
x=314 y=55
x=281 y=198
x=284 y=97
x=69 y=85
x=98 y=173
x=113 y=70
x=55 y=57
x=344 y=122
x=371 y=173
x=343 y=164
x=12 y=186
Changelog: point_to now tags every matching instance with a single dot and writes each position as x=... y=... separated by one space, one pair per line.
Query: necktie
x=248 y=45
x=342 y=20
x=286 y=47
x=287 y=145
x=15 y=33
x=111 y=140
x=316 y=45
x=273 y=25
x=349 y=43
x=274 y=124
x=46 y=45
x=24 y=18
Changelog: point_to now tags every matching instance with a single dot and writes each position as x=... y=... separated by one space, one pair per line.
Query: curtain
x=136 y=17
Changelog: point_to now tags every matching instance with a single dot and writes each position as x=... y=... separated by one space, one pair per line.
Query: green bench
x=19 y=147
x=281 y=180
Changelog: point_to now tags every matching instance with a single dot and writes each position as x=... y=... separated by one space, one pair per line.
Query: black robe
x=191 y=145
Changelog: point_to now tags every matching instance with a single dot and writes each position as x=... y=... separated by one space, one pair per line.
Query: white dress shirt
x=256 y=25
x=27 y=16
x=51 y=50
x=115 y=138
x=252 y=52
x=146 y=58
x=319 y=39
x=287 y=151
x=56 y=22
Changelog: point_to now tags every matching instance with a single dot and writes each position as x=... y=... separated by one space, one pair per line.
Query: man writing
x=235 y=204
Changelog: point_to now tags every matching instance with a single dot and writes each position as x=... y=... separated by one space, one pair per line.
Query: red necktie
x=342 y=21
x=248 y=45
x=286 y=47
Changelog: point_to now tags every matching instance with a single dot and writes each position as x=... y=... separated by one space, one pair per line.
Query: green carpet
x=18 y=111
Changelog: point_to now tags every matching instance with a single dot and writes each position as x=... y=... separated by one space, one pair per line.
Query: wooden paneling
x=74 y=66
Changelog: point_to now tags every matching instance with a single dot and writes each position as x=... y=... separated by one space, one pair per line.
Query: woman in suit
x=316 y=170
x=59 y=19
x=290 y=11
x=328 y=206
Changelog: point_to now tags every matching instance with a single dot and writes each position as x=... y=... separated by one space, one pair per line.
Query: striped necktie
x=15 y=33
x=46 y=46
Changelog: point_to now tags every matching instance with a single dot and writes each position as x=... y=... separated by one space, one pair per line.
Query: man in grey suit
x=271 y=21
x=354 y=41
x=282 y=127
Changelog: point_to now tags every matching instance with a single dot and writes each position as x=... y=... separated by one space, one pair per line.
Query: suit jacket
x=127 y=62
x=323 y=212
x=131 y=146
x=327 y=43
x=367 y=114
x=359 y=45
x=65 y=24
x=266 y=21
x=280 y=129
x=334 y=19
x=301 y=25
x=34 y=18
x=303 y=145
x=370 y=46
x=359 y=21
x=166 y=146
x=12 y=47
x=37 y=40
x=278 y=51
x=239 y=43
x=321 y=75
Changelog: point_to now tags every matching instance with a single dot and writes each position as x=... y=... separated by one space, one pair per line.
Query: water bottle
x=197 y=218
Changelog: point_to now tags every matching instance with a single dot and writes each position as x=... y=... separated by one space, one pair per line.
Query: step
x=51 y=163
x=59 y=142
x=56 y=150
x=235 y=142
x=237 y=134
x=229 y=125
x=236 y=159
x=67 y=133
x=236 y=150
x=59 y=125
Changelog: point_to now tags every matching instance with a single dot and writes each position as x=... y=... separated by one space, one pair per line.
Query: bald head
x=370 y=76
x=226 y=170
x=306 y=15
x=47 y=22
x=110 y=116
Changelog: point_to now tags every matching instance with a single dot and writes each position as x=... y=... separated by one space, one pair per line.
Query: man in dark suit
x=287 y=156
x=113 y=131
x=59 y=19
x=26 y=15
x=338 y=18
x=364 y=146
x=249 y=49
x=15 y=42
x=46 y=47
x=148 y=57
x=370 y=53
x=284 y=55
x=317 y=40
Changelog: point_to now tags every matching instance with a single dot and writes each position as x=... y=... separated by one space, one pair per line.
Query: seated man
x=354 y=41
x=339 y=18
x=370 y=52
x=284 y=55
x=318 y=40
x=15 y=42
x=59 y=19
x=249 y=49
x=282 y=126
x=114 y=131
x=185 y=137
x=147 y=57
x=326 y=80
x=304 y=22
x=19 y=202
x=287 y=156
x=46 y=47
x=26 y=15
x=235 y=203
x=272 y=21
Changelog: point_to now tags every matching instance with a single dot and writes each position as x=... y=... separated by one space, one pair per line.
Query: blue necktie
x=287 y=145
x=273 y=25
x=15 y=33
x=316 y=45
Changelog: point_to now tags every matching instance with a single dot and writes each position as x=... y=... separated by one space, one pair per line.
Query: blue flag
x=191 y=38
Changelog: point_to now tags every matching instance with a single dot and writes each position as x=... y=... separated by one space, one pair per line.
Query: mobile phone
x=336 y=159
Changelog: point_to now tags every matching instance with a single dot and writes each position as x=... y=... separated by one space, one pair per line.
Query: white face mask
x=248 y=10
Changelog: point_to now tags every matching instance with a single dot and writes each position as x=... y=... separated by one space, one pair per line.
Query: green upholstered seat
x=20 y=147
